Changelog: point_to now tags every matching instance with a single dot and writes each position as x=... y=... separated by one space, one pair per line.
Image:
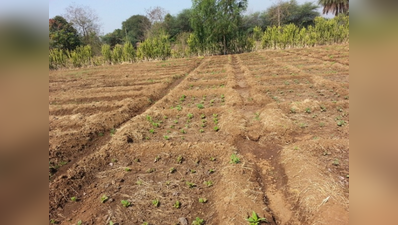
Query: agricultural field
x=205 y=140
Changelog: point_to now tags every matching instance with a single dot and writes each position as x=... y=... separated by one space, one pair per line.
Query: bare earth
x=119 y=130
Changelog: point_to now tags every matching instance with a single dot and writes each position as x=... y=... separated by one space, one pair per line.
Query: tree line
x=208 y=27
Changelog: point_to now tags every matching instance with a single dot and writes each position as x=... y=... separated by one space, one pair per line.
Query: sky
x=113 y=12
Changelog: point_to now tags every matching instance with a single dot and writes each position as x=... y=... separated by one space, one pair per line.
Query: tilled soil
x=210 y=139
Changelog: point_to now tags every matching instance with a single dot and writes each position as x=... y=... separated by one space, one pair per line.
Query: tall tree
x=291 y=12
x=114 y=38
x=85 y=21
x=62 y=34
x=217 y=21
x=335 y=6
x=135 y=28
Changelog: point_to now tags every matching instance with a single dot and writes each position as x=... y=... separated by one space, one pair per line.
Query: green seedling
x=176 y=121
x=201 y=130
x=104 y=198
x=208 y=183
x=110 y=222
x=308 y=110
x=336 y=162
x=139 y=182
x=165 y=117
x=293 y=110
x=113 y=131
x=178 y=107
x=155 y=203
x=200 y=106
x=190 y=185
x=215 y=115
x=152 y=131
x=198 y=221
x=79 y=222
x=177 y=205
x=137 y=160
x=323 y=108
x=211 y=171
x=203 y=125
x=257 y=117
x=52 y=221
x=202 y=116
x=172 y=170
x=340 y=123
x=180 y=159
x=73 y=199
x=212 y=159
x=234 y=159
x=166 y=137
x=127 y=169
x=190 y=115
x=149 y=118
x=216 y=128
x=193 y=171
x=202 y=200
x=157 y=158
x=151 y=170
x=255 y=220
x=125 y=203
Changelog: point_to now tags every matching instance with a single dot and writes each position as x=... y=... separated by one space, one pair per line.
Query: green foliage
x=198 y=221
x=157 y=47
x=125 y=203
x=106 y=53
x=128 y=52
x=117 y=54
x=57 y=58
x=104 y=198
x=62 y=35
x=255 y=220
x=257 y=33
x=81 y=56
x=177 y=205
x=134 y=28
x=234 y=159
x=202 y=200
x=155 y=203
x=73 y=199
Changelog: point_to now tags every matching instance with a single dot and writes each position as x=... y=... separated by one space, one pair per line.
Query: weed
x=208 y=183
x=198 y=221
x=104 y=198
x=201 y=130
x=125 y=203
x=234 y=159
x=73 y=199
x=202 y=200
x=151 y=170
x=200 y=106
x=177 y=205
x=127 y=169
x=255 y=220
x=190 y=185
x=172 y=170
x=155 y=203
x=180 y=159
x=216 y=128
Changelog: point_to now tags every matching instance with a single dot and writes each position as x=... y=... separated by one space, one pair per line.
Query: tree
x=135 y=28
x=114 y=38
x=216 y=22
x=182 y=21
x=62 y=34
x=335 y=6
x=292 y=12
x=85 y=21
x=155 y=14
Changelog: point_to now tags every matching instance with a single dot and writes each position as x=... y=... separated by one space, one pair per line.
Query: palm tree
x=335 y=6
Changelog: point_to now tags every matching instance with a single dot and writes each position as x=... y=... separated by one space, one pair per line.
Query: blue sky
x=113 y=12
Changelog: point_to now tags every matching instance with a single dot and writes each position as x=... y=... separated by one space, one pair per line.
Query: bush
x=106 y=53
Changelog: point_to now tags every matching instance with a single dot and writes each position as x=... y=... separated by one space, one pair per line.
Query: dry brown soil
x=167 y=131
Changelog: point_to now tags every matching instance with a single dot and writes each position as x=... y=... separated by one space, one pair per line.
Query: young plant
x=125 y=203
x=200 y=106
x=193 y=171
x=201 y=130
x=152 y=131
x=127 y=169
x=155 y=202
x=178 y=107
x=73 y=199
x=139 y=182
x=79 y=222
x=255 y=220
x=212 y=159
x=190 y=115
x=177 y=205
x=202 y=116
x=216 y=128
x=104 y=198
x=157 y=158
x=234 y=159
x=179 y=159
x=183 y=131
x=172 y=170
x=257 y=116
x=190 y=185
x=211 y=171
x=166 y=137
x=150 y=170
x=202 y=200
x=308 y=110
x=208 y=183
x=198 y=221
